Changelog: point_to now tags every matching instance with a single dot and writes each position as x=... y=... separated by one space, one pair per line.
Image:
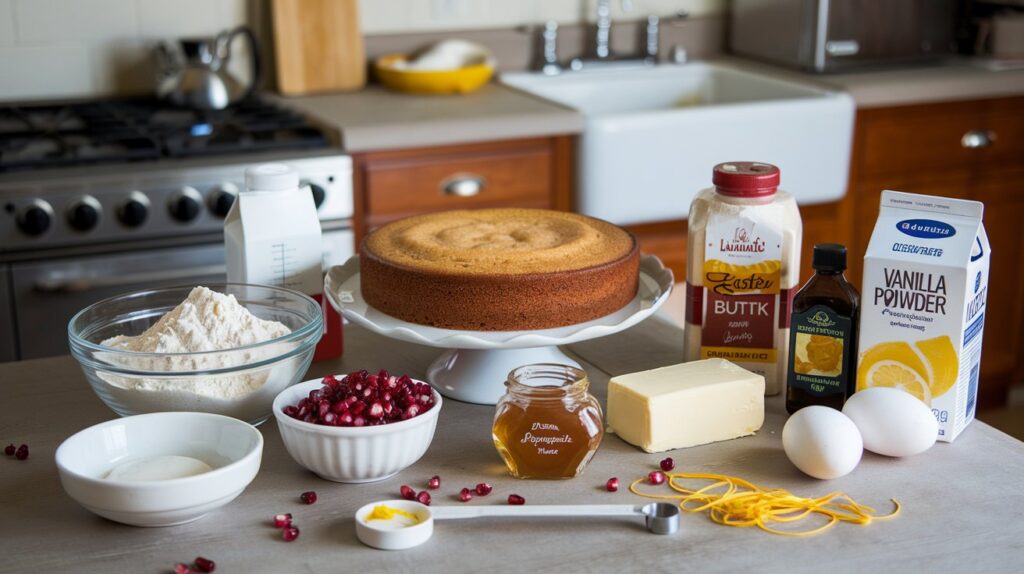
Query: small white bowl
x=353 y=454
x=384 y=536
x=232 y=447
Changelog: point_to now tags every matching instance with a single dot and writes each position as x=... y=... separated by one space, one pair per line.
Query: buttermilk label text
x=912 y=290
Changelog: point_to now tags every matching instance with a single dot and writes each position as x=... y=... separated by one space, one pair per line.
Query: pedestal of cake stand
x=479 y=375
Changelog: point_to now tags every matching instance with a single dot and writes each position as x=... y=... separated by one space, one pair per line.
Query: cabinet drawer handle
x=976 y=139
x=464 y=185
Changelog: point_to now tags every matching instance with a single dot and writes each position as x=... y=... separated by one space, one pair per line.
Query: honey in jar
x=547 y=425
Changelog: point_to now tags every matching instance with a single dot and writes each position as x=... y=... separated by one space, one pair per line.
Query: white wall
x=73 y=48
x=397 y=16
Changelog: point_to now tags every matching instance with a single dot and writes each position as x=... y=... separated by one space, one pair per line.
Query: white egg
x=822 y=442
x=892 y=422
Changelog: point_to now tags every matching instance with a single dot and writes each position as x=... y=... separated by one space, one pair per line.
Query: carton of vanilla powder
x=923 y=304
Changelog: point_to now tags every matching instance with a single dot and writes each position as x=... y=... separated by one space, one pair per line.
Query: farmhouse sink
x=653 y=134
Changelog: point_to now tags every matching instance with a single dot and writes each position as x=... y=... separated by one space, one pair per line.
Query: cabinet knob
x=464 y=185
x=977 y=139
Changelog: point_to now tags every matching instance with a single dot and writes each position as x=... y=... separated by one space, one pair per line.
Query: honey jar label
x=547 y=438
x=820 y=343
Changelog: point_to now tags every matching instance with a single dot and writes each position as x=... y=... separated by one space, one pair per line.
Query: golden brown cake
x=499 y=269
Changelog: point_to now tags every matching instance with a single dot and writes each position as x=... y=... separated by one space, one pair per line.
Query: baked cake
x=499 y=269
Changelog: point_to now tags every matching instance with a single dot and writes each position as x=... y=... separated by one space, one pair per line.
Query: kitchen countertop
x=961 y=501
x=921 y=84
x=376 y=118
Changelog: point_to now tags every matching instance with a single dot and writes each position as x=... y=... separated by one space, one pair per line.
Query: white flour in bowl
x=205 y=321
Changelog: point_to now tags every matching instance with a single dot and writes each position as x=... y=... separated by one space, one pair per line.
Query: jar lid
x=271 y=177
x=746 y=178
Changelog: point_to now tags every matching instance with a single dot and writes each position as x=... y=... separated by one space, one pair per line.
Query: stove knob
x=222 y=198
x=134 y=209
x=319 y=193
x=35 y=218
x=185 y=204
x=84 y=213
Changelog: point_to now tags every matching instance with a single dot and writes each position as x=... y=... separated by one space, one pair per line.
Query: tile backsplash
x=71 y=48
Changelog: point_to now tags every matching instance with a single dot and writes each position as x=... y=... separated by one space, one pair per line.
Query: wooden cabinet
x=392 y=184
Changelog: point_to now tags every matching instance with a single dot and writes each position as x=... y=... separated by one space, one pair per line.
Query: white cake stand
x=476 y=364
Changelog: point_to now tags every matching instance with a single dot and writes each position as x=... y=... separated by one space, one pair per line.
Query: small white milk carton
x=923 y=304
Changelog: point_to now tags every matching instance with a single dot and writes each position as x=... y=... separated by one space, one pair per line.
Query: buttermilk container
x=272 y=236
x=743 y=268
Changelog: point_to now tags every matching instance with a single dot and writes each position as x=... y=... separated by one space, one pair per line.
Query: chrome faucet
x=602 y=56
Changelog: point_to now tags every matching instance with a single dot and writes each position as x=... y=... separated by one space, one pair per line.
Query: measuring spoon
x=659 y=517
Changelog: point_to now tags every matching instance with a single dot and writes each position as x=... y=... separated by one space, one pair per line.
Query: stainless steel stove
x=100 y=198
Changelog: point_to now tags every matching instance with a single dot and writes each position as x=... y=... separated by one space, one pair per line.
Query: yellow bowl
x=458 y=81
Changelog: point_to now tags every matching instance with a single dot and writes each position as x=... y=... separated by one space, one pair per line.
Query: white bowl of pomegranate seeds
x=361 y=427
x=160 y=469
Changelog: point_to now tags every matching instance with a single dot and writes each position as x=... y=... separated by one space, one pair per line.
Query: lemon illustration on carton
x=927 y=370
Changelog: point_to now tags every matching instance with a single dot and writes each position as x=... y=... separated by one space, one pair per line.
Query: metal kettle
x=193 y=72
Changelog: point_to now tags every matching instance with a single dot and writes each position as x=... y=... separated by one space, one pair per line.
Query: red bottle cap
x=746 y=178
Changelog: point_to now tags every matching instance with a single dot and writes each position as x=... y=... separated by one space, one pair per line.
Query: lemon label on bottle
x=820 y=346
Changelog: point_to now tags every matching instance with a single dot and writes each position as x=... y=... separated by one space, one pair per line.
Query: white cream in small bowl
x=160 y=469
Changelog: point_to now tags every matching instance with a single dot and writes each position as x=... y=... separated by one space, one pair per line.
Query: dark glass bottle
x=823 y=335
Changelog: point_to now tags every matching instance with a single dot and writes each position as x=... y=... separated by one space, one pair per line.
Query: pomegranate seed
x=375 y=411
x=290 y=533
x=180 y=568
x=205 y=564
x=330 y=419
x=291 y=410
x=359 y=422
x=423 y=498
x=465 y=495
x=667 y=464
x=331 y=381
x=656 y=477
x=434 y=483
x=612 y=485
x=309 y=497
x=9 y=451
x=407 y=492
x=282 y=520
x=516 y=499
x=483 y=489
x=22 y=452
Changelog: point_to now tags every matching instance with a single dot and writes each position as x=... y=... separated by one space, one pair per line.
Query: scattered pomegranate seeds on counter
x=282 y=520
x=612 y=485
x=465 y=495
x=9 y=451
x=205 y=564
x=361 y=399
x=434 y=483
x=407 y=492
x=22 y=452
x=290 y=532
x=516 y=499
x=423 y=498
x=667 y=464
x=309 y=497
x=483 y=489
x=656 y=477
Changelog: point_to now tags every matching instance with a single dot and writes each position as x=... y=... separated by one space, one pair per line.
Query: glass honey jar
x=547 y=425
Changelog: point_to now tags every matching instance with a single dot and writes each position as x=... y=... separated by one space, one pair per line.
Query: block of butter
x=686 y=405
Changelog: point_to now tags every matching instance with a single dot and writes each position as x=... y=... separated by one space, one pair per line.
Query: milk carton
x=272 y=237
x=923 y=304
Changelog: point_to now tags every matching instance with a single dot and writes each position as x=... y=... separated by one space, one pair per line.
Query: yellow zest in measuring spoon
x=384 y=512
x=736 y=502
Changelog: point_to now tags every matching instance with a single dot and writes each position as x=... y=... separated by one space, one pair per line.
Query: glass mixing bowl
x=240 y=382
